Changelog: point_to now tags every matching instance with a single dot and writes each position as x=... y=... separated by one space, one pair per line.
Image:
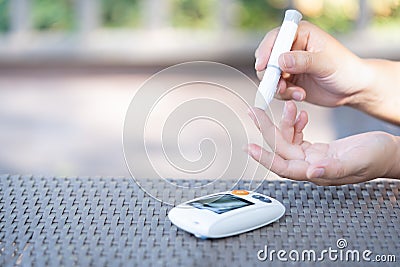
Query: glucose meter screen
x=220 y=203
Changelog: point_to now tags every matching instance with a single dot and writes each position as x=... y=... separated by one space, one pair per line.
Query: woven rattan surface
x=112 y=222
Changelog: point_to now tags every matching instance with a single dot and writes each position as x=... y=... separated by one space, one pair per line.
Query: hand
x=353 y=159
x=319 y=69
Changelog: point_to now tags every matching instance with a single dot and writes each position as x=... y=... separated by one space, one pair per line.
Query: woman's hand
x=349 y=160
x=322 y=71
x=319 y=69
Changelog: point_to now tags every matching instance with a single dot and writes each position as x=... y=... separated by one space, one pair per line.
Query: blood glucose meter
x=226 y=213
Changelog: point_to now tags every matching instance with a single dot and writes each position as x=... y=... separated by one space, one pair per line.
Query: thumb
x=297 y=62
x=329 y=168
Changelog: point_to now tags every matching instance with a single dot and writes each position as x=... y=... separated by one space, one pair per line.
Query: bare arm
x=382 y=96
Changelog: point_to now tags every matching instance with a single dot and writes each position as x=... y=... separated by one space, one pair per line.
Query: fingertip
x=315 y=172
x=254 y=151
x=246 y=148
x=260 y=74
x=289 y=108
x=298 y=95
x=287 y=89
x=260 y=64
x=291 y=104
x=256 y=64
x=254 y=114
x=304 y=116
x=301 y=121
x=257 y=52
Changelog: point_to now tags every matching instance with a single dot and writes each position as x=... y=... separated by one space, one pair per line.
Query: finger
x=264 y=49
x=301 y=122
x=252 y=116
x=281 y=88
x=274 y=138
x=330 y=168
x=292 y=92
x=288 y=121
x=297 y=62
x=293 y=169
x=282 y=85
x=302 y=35
x=301 y=39
x=268 y=159
x=260 y=74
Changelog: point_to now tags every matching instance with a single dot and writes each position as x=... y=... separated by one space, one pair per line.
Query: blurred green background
x=331 y=15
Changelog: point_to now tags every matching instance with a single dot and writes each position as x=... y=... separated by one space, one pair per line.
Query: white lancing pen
x=283 y=43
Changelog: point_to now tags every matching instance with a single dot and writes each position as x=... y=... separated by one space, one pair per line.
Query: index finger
x=264 y=49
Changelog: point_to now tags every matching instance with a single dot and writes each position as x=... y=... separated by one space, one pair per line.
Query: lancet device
x=226 y=213
x=283 y=43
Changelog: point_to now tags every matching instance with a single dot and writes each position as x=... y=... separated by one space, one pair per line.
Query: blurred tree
x=4 y=16
x=334 y=16
x=120 y=13
x=260 y=14
x=386 y=13
x=193 y=13
x=53 y=15
x=255 y=15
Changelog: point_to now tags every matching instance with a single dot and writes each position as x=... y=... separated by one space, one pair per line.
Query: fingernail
x=256 y=64
x=318 y=173
x=254 y=153
x=288 y=61
x=297 y=96
x=250 y=150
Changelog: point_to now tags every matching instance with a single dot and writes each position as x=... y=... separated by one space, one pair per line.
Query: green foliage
x=193 y=13
x=4 y=16
x=392 y=21
x=332 y=22
x=120 y=13
x=333 y=19
x=258 y=15
x=53 y=14
x=252 y=15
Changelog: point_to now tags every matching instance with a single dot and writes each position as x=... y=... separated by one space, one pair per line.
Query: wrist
x=365 y=95
x=376 y=94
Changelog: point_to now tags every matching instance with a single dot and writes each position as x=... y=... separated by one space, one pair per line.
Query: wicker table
x=110 y=221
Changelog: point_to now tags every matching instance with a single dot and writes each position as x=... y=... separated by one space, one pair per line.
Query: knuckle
x=308 y=62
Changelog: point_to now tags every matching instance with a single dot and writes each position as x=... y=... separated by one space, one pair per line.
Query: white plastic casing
x=205 y=223
x=283 y=43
